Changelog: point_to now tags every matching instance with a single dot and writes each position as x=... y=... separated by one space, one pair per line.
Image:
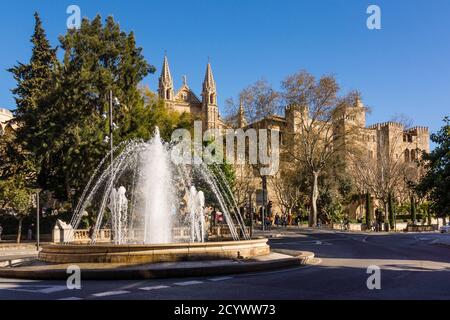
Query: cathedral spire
x=209 y=100
x=165 y=81
x=209 y=84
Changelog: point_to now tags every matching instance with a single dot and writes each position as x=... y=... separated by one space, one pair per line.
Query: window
x=406 y=155
x=168 y=94
x=413 y=155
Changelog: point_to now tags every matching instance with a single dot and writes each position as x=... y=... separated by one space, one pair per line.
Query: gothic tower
x=165 y=88
x=242 y=122
x=209 y=100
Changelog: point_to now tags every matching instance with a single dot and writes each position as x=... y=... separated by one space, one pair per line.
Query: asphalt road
x=411 y=268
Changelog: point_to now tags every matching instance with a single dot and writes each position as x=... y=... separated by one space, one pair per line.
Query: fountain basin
x=143 y=253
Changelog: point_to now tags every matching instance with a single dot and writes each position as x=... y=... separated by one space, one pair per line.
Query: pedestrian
x=1 y=231
x=277 y=220
x=213 y=217
x=30 y=234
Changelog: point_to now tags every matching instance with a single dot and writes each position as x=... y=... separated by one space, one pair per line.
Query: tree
x=386 y=173
x=369 y=209
x=413 y=210
x=436 y=182
x=97 y=59
x=391 y=211
x=259 y=101
x=288 y=186
x=34 y=81
x=15 y=196
x=317 y=140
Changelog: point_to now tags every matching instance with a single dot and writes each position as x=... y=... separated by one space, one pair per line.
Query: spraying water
x=144 y=198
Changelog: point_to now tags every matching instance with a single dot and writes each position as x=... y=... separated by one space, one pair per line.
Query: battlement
x=418 y=129
x=388 y=124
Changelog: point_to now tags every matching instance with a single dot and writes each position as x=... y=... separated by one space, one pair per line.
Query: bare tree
x=320 y=135
x=259 y=100
x=244 y=183
x=288 y=189
x=387 y=172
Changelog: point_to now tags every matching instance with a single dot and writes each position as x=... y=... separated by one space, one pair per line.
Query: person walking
x=1 y=231
x=277 y=220
x=30 y=234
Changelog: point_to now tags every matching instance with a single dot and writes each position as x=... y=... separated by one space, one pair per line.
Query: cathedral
x=185 y=100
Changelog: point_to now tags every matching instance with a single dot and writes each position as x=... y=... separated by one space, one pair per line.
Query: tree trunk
x=368 y=211
x=314 y=197
x=413 y=210
x=391 y=210
x=19 y=230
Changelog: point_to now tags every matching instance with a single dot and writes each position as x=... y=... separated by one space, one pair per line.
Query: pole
x=264 y=187
x=111 y=143
x=37 y=220
x=251 y=213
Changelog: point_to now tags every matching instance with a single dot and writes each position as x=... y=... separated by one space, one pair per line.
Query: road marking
x=110 y=293
x=71 y=298
x=53 y=289
x=220 y=278
x=187 y=283
x=154 y=288
x=33 y=288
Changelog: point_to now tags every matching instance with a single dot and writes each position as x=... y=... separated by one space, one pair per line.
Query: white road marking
x=33 y=288
x=187 y=283
x=53 y=289
x=110 y=293
x=220 y=279
x=71 y=298
x=154 y=288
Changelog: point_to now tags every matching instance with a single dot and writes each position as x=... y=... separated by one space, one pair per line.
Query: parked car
x=445 y=228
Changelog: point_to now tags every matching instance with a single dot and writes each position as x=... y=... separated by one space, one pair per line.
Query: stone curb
x=152 y=273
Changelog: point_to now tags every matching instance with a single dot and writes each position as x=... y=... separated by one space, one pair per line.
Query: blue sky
x=402 y=68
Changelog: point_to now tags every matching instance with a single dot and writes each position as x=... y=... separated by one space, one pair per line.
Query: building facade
x=378 y=141
x=5 y=117
x=185 y=100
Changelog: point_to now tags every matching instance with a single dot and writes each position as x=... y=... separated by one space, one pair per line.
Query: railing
x=83 y=235
x=179 y=234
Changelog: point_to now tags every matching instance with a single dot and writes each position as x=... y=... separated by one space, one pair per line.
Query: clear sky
x=402 y=68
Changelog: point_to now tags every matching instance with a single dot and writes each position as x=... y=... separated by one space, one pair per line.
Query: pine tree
x=34 y=81
x=98 y=59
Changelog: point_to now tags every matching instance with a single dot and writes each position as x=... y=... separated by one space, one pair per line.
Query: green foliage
x=436 y=183
x=34 y=81
x=16 y=196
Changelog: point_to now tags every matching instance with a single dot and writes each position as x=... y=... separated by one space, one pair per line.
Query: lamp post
x=250 y=208
x=37 y=219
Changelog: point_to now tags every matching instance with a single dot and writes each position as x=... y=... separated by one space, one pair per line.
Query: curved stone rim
x=137 y=253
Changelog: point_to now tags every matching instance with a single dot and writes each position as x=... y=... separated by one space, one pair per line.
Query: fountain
x=156 y=210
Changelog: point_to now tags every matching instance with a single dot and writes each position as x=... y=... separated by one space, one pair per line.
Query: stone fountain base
x=144 y=254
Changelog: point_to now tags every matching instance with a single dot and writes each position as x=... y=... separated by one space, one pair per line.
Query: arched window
x=211 y=98
x=413 y=155
x=406 y=155
x=168 y=94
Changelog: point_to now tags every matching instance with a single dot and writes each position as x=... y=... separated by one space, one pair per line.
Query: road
x=412 y=267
